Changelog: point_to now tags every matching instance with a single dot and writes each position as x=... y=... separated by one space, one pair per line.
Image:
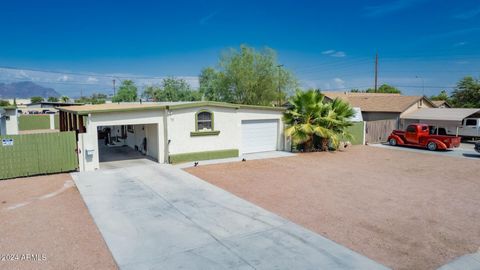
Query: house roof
x=439 y=103
x=377 y=102
x=122 y=107
x=442 y=114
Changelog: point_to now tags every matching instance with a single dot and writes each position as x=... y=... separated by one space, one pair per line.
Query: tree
x=172 y=89
x=64 y=99
x=127 y=92
x=247 y=76
x=36 y=99
x=93 y=99
x=52 y=99
x=441 y=96
x=309 y=116
x=385 y=88
x=467 y=93
x=4 y=103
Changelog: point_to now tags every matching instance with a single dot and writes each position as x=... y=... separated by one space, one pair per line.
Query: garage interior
x=127 y=142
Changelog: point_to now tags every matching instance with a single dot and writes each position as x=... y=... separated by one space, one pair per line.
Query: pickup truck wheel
x=432 y=146
x=392 y=142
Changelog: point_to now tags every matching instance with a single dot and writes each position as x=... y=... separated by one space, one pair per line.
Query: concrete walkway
x=156 y=216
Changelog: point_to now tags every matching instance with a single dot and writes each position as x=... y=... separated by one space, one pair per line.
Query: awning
x=442 y=116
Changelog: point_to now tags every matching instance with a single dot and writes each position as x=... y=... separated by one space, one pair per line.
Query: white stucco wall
x=89 y=140
x=226 y=120
x=140 y=132
x=182 y=122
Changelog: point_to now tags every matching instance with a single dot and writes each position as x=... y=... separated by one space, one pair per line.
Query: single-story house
x=381 y=106
x=173 y=132
x=381 y=112
x=8 y=121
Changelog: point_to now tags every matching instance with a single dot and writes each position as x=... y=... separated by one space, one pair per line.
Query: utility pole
x=279 y=90
x=376 y=71
x=113 y=87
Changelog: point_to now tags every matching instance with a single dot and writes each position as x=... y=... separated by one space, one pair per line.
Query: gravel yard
x=45 y=220
x=406 y=210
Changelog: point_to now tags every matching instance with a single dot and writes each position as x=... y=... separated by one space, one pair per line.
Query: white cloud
x=339 y=54
x=328 y=52
x=334 y=53
x=63 y=78
x=460 y=44
x=92 y=79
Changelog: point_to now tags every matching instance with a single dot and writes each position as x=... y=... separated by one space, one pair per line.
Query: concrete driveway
x=464 y=151
x=156 y=216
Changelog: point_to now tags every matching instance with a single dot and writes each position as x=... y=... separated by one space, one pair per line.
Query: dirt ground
x=46 y=218
x=403 y=209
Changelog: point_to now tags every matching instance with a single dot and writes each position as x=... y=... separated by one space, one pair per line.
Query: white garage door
x=259 y=135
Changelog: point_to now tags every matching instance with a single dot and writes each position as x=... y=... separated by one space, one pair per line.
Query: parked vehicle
x=421 y=135
x=470 y=128
x=477 y=146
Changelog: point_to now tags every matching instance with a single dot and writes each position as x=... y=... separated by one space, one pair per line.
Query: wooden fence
x=378 y=131
x=32 y=154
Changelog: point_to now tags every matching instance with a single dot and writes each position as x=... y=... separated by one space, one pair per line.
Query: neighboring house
x=8 y=121
x=382 y=112
x=174 y=132
x=380 y=106
x=441 y=104
x=45 y=105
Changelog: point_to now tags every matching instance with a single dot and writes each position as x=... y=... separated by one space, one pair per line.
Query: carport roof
x=124 y=107
x=442 y=114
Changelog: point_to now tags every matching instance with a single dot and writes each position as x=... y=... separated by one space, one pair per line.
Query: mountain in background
x=26 y=89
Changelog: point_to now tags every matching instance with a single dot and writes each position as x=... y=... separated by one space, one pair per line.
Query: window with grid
x=204 y=121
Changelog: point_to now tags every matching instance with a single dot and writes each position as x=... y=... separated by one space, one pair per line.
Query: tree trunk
x=324 y=144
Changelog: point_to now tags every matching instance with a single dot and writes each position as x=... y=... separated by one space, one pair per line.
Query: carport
x=110 y=133
x=449 y=118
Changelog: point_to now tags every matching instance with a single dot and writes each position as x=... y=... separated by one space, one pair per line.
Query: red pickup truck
x=421 y=135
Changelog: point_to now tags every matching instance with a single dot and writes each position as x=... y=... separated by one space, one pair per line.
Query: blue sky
x=327 y=44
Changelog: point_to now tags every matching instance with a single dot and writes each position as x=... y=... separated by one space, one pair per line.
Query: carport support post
x=74 y=116
x=81 y=128
x=60 y=120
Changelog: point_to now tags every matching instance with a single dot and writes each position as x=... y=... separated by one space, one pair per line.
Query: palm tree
x=65 y=99
x=336 y=119
x=309 y=116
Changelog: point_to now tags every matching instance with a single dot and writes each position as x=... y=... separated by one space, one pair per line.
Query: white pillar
x=52 y=121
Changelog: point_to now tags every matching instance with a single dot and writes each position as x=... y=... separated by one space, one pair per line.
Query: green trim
x=196 y=119
x=196 y=156
x=204 y=133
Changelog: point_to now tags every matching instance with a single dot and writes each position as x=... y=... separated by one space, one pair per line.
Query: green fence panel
x=33 y=154
x=357 y=131
x=33 y=122
x=56 y=120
